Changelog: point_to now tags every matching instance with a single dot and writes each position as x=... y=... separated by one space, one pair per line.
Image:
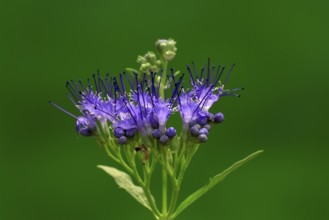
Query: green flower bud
x=166 y=48
x=141 y=60
x=149 y=62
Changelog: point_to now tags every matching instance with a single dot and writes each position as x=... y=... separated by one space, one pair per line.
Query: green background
x=281 y=50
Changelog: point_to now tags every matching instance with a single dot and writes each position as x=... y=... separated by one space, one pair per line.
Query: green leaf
x=177 y=73
x=124 y=181
x=131 y=70
x=212 y=182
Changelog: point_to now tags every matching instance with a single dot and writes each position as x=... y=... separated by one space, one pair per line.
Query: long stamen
x=101 y=84
x=98 y=81
x=220 y=74
x=128 y=80
x=170 y=82
x=63 y=110
x=191 y=75
x=212 y=73
x=149 y=90
x=145 y=81
x=109 y=85
x=122 y=84
x=138 y=101
x=216 y=75
x=208 y=72
x=236 y=89
x=177 y=85
x=201 y=73
x=178 y=95
x=229 y=74
x=153 y=86
x=71 y=99
x=95 y=82
x=89 y=85
x=194 y=71
x=82 y=86
x=230 y=94
x=73 y=92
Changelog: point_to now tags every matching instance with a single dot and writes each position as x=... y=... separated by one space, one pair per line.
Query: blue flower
x=195 y=102
x=139 y=110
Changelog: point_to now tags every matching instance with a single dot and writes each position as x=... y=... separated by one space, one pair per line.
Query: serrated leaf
x=212 y=182
x=124 y=181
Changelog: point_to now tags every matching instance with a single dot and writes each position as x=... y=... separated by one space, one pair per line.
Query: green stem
x=151 y=201
x=178 y=182
x=164 y=185
x=163 y=79
x=165 y=218
x=147 y=187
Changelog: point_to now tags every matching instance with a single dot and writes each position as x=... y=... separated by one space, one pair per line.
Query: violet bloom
x=194 y=103
x=131 y=106
x=129 y=117
x=137 y=111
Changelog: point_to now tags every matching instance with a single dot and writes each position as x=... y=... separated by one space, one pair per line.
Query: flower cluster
x=128 y=116
x=140 y=112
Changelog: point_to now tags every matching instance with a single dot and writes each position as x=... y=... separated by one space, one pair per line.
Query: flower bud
x=204 y=131
x=131 y=132
x=202 y=120
x=207 y=126
x=85 y=126
x=203 y=138
x=166 y=48
x=149 y=62
x=164 y=139
x=122 y=140
x=219 y=117
x=210 y=117
x=118 y=132
x=171 y=132
x=194 y=131
x=156 y=133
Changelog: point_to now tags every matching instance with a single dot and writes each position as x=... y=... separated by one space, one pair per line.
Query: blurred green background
x=281 y=50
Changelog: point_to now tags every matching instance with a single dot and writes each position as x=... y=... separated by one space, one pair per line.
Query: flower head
x=128 y=116
x=195 y=102
x=131 y=105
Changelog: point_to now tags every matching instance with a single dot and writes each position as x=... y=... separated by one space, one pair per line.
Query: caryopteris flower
x=128 y=115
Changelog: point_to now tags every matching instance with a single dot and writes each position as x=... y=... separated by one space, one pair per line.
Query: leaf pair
x=124 y=181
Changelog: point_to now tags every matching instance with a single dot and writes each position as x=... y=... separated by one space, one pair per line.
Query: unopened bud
x=149 y=62
x=166 y=48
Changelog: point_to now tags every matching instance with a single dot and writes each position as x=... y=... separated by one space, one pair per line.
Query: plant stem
x=164 y=185
x=163 y=79
x=165 y=218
